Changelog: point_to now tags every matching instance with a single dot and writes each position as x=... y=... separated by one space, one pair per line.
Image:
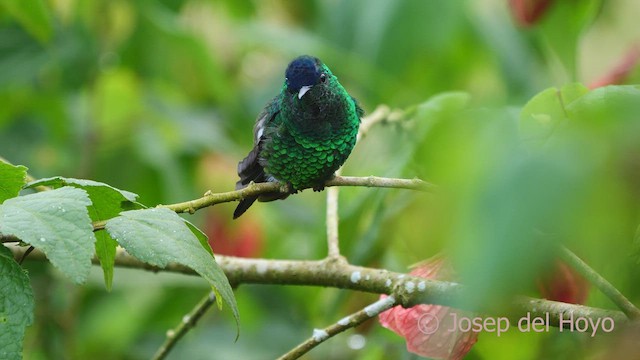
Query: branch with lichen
x=337 y=273
x=321 y=335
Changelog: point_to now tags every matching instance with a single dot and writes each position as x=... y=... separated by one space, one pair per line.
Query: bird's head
x=303 y=73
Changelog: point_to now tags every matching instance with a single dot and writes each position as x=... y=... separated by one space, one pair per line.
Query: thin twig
x=600 y=282
x=378 y=115
x=348 y=322
x=383 y=115
x=210 y=199
x=333 y=239
x=381 y=182
x=187 y=323
x=253 y=189
x=333 y=243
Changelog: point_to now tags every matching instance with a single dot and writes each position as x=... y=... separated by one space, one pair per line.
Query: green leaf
x=107 y=202
x=635 y=248
x=16 y=306
x=201 y=236
x=56 y=222
x=546 y=111
x=12 y=178
x=33 y=15
x=106 y=253
x=564 y=25
x=600 y=106
x=117 y=98
x=159 y=236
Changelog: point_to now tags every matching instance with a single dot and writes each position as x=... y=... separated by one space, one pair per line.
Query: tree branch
x=348 y=322
x=408 y=290
x=253 y=189
x=333 y=243
x=384 y=115
x=188 y=322
x=600 y=282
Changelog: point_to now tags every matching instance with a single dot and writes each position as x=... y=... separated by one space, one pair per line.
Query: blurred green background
x=159 y=98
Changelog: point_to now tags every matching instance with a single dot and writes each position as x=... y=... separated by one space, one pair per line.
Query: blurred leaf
x=545 y=111
x=598 y=107
x=562 y=27
x=636 y=246
x=500 y=247
x=12 y=179
x=56 y=222
x=16 y=305
x=117 y=103
x=33 y=15
x=159 y=236
x=439 y=108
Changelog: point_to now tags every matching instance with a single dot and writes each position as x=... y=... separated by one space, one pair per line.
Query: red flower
x=564 y=284
x=426 y=327
x=242 y=239
x=528 y=12
x=619 y=73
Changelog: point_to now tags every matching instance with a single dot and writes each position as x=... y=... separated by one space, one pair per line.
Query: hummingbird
x=303 y=135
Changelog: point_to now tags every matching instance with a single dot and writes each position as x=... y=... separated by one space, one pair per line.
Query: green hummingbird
x=303 y=135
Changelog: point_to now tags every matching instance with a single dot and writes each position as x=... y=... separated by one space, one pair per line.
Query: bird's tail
x=250 y=170
x=248 y=201
x=244 y=205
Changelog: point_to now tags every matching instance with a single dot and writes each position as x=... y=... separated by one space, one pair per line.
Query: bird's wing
x=249 y=169
x=359 y=110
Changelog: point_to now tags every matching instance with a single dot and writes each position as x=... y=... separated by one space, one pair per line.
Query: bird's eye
x=323 y=77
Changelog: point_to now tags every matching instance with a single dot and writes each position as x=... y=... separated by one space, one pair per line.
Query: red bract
x=528 y=12
x=564 y=284
x=426 y=328
x=242 y=239
x=619 y=73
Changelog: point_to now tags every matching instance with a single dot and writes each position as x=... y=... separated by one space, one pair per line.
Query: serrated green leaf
x=107 y=202
x=545 y=112
x=16 y=305
x=106 y=253
x=32 y=15
x=159 y=236
x=12 y=178
x=56 y=222
x=201 y=236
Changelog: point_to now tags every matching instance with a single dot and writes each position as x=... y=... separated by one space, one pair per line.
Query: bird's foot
x=288 y=188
